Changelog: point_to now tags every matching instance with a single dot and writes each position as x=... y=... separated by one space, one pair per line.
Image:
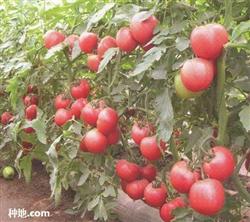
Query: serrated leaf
x=109 y=54
x=182 y=43
x=39 y=126
x=100 y=211
x=93 y=203
x=109 y=191
x=84 y=177
x=245 y=117
x=240 y=29
x=52 y=51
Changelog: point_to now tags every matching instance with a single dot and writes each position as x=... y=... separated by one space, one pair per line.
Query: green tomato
x=182 y=91
x=8 y=172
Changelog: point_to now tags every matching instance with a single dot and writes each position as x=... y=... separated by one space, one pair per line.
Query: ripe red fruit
x=197 y=74
x=77 y=107
x=82 y=146
x=29 y=130
x=88 y=42
x=207 y=41
x=114 y=136
x=105 y=44
x=149 y=172
x=127 y=171
x=222 y=165
x=207 y=196
x=31 y=112
x=155 y=196
x=52 y=38
x=93 y=62
x=181 y=177
x=70 y=40
x=123 y=185
x=62 y=116
x=247 y=162
x=107 y=120
x=125 y=40
x=138 y=133
x=30 y=100
x=62 y=102
x=80 y=90
x=32 y=89
x=89 y=114
x=147 y=47
x=6 y=118
x=135 y=189
x=143 y=29
x=197 y=175
x=27 y=145
x=95 y=142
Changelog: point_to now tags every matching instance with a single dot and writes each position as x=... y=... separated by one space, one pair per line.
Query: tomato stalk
x=174 y=150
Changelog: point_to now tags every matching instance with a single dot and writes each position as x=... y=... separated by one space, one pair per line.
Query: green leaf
x=109 y=191
x=242 y=28
x=109 y=54
x=93 y=203
x=26 y=167
x=182 y=43
x=100 y=211
x=54 y=50
x=39 y=126
x=84 y=177
x=125 y=13
x=159 y=72
x=245 y=117
x=76 y=51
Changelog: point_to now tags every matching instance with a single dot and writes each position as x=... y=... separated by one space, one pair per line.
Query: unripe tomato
x=31 y=112
x=88 y=42
x=135 y=189
x=8 y=172
x=89 y=114
x=207 y=41
x=105 y=44
x=125 y=40
x=207 y=196
x=143 y=30
x=247 y=162
x=70 y=40
x=155 y=196
x=181 y=177
x=30 y=100
x=6 y=118
x=197 y=74
x=127 y=171
x=93 y=62
x=95 y=141
x=62 y=102
x=222 y=165
x=149 y=172
x=82 y=146
x=77 y=107
x=53 y=38
x=62 y=116
x=32 y=89
x=138 y=133
x=114 y=136
x=80 y=90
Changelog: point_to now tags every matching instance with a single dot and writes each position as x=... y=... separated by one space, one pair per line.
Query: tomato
x=143 y=29
x=123 y=185
x=135 y=189
x=197 y=174
x=31 y=112
x=93 y=62
x=62 y=102
x=62 y=116
x=83 y=146
x=114 y=136
x=95 y=141
x=80 y=90
x=182 y=91
x=105 y=44
x=222 y=165
x=138 y=133
x=181 y=177
x=29 y=130
x=88 y=42
x=32 y=89
x=149 y=172
x=89 y=114
x=70 y=40
x=147 y=47
x=8 y=172
x=150 y=149
x=77 y=107
x=127 y=171
x=155 y=196
x=26 y=147
x=52 y=38
x=107 y=120
x=197 y=74
x=247 y=162
x=6 y=118
x=125 y=40
x=207 y=41
x=207 y=196
x=30 y=100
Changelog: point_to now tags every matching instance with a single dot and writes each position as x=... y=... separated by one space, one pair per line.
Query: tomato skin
x=197 y=74
x=207 y=41
x=143 y=31
x=81 y=90
x=138 y=133
x=222 y=165
x=149 y=172
x=6 y=118
x=149 y=148
x=70 y=40
x=62 y=116
x=95 y=141
x=147 y=47
x=32 y=89
x=29 y=130
x=30 y=100
x=114 y=136
x=88 y=42
x=127 y=171
x=82 y=146
x=125 y=40
x=31 y=112
x=155 y=197
x=107 y=120
x=105 y=44
x=247 y=162
x=77 y=107
x=93 y=62
x=62 y=102
x=53 y=38
x=181 y=177
x=135 y=189
x=89 y=114
x=207 y=196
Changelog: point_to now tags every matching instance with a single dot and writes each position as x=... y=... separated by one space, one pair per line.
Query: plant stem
x=174 y=150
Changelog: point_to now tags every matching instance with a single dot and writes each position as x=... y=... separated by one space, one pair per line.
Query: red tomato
x=93 y=62
x=207 y=196
x=155 y=196
x=114 y=136
x=32 y=89
x=107 y=120
x=77 y=107
x=31 y=112
x=127 y=171
x=147 y=47
x=197 y=74
x=135 y=189
x=123 y=185
x=143 y=30
x=105 y=44
x=80 y=90
x=30 y=100
x=29 y=130
x=207 y=41
x=26 y=145
x=138 y=133
x=62 y=102
x=125 y=40
x=88 y=42
x=70 y=40
x=197 y=174
x=82 y=146
x=6 y=118
x=222 y=165
x=247 y=162
x=89 y=114
x=62 y=116
x=149 y=172
x=53 y=38
x=181 y=177
x=95 y=141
